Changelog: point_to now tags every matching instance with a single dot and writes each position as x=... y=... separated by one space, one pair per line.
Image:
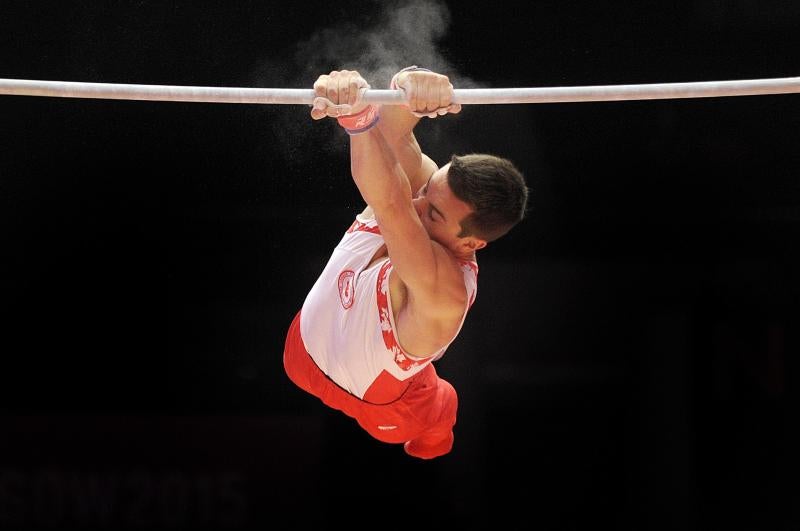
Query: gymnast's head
x=472 y=200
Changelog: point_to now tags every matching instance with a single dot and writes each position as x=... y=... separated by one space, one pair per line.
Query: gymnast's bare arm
x=397 y=124
x=431 y=281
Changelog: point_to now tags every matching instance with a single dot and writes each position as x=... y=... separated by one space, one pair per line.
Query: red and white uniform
x=347 y=323
x=347 y=328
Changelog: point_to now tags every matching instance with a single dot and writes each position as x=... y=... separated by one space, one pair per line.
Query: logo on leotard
x=346 y=288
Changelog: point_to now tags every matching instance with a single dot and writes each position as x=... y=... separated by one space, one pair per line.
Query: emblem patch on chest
x=346 y=288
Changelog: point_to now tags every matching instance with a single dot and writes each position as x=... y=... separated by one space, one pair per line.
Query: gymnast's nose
x=418 y=205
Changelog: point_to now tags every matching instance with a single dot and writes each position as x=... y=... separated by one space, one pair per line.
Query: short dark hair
x=494 y=188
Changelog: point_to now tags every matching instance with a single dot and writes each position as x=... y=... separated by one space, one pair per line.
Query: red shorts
x=422 y=418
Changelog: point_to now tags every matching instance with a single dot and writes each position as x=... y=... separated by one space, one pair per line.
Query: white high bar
x=654 y=91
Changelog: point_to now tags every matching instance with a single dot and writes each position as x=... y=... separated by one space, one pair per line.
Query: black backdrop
x=627 y=362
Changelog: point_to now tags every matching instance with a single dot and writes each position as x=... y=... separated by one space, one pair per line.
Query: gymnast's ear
x=472 y=243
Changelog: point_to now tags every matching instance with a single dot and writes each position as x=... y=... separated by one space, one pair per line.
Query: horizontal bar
x=656 y=91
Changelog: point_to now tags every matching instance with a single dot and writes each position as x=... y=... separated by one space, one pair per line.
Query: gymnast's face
x=441 y=212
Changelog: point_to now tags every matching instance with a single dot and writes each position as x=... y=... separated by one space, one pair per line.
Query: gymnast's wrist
x=362 y=121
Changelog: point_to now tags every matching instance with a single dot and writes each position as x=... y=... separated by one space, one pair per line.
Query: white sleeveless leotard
x=347 y=325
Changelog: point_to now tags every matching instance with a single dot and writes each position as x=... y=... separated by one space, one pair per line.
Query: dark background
x=632 y=355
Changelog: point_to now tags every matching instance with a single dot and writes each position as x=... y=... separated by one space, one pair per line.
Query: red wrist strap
x=361 y=122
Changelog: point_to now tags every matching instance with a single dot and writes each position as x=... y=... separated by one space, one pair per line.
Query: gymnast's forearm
x=379 y=176
x=397 y=126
